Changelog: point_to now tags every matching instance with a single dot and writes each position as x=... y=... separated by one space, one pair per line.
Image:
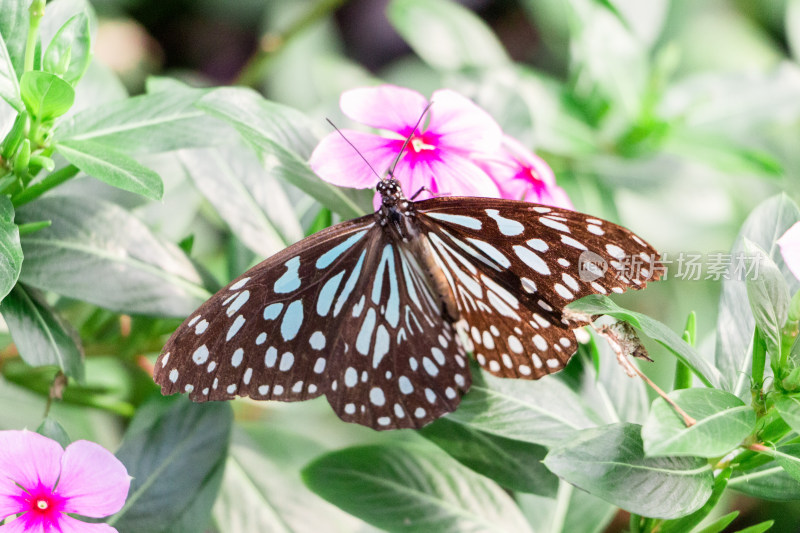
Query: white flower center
x=42 y=504
x=418 y=145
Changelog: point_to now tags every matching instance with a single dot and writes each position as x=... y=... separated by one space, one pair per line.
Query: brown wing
x=514 y=266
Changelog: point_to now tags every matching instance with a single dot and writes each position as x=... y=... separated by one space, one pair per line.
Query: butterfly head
x=390 y=191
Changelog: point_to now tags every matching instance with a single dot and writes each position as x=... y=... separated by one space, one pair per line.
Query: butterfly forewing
x=513 y=266
x=267 y=335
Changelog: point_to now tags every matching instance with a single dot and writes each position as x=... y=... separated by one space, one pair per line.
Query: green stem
x=759 y=359
x=758 y=365
x=7 y=181
x=635 y=523
x=33 y=227
x=683 y=374
x=36 y=13
x=34 y=191
x=273 y=43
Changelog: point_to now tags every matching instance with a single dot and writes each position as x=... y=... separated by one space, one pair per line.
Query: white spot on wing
x=506 y=226
x=239 y=284
x=459 y=220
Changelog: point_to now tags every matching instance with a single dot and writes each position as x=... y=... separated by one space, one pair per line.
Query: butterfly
x=378 y=313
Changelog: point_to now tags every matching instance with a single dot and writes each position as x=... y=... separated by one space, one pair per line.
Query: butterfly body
x=377 y=313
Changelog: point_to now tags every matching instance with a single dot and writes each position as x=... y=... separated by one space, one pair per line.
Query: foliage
x=120 y=214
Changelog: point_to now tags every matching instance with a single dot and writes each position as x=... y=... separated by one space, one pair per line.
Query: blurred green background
x=673 y=118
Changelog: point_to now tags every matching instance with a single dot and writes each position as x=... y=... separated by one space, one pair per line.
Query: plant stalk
x=53 y=180
x=36 y=13
x=272 y=43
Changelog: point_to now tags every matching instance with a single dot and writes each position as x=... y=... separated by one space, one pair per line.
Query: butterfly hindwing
x=397 y=363
x=513 y=266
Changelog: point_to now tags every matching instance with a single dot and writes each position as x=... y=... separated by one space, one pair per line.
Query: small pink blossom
x=42 y=482
x=522 y=175
x=790 y=249
x=439 y=156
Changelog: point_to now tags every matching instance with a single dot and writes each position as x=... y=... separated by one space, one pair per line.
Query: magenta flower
x=790 y=249
x=522 y=175
x=41 y=482
x=439 y=156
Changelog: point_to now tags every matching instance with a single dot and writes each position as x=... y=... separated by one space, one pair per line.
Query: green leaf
x=543 y=412
x=175 y=451
x=283 y=138
x=793 y=27
x=446 y=35
x=717 y=114
x=758 y=528
x=606 y=86
x=572 y=511
x=717 y=151
x=14 y=29
x=719 y=525
x=601 y=305
x=46 y=96
x=112 y=167
x=514 y=464
x=735 y=322
x=690 y=521
x=249 y=199
x=789 y=409
x=612 y=394
x=51 y=429
x=769 y=481
x=9 y=86
x=195 y=517
x=788 y=457
x=261 y=490
x=769 y=298
x=98 y=252
x=723 y=421
x=150 y=123
x=608 y=461
x=69 y=52
x=10 y=249
x=41 y=336
x=411 y=487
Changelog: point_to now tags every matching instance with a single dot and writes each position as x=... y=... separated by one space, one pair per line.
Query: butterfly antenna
x=354 y=148
x=408 y=139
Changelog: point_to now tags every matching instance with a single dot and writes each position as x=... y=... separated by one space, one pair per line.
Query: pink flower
x=439 y=156
x=521 y=175
x=790 y=249
x=44 y=482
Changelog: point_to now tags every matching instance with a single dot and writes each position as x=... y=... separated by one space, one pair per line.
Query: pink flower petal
x=71 y=525
x=336 y=162
x=29 y=459
x=457 y=176
x=20 y=525
x=527 y=159
x=386 y=107
x=10 y=495
x=462 y=125
x=790 y=249
x=93 y=482
x=553 y=196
